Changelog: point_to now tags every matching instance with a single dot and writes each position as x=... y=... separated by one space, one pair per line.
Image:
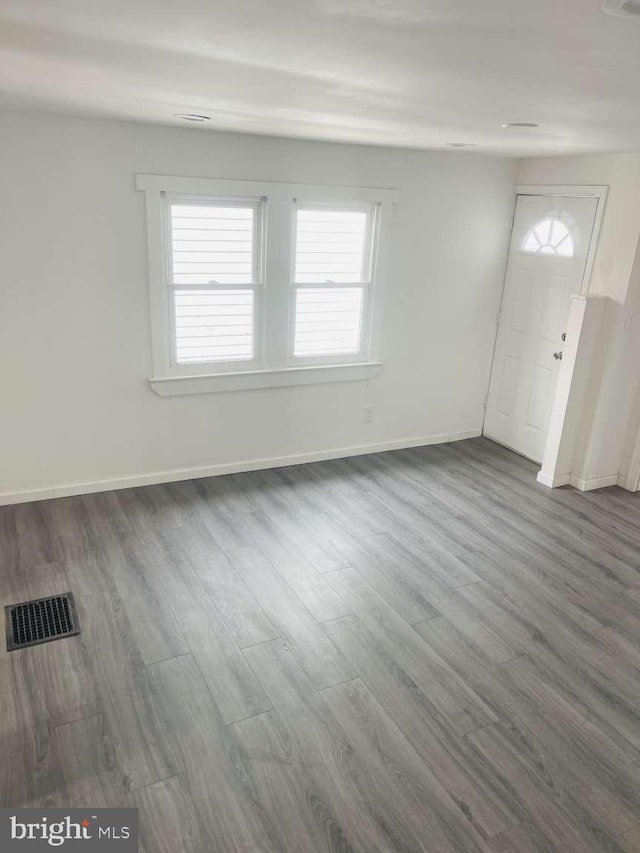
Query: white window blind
x=327 y=321
x=332 y=250
x=213 y=278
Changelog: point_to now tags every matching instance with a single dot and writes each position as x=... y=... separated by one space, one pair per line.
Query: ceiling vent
x=622 y=8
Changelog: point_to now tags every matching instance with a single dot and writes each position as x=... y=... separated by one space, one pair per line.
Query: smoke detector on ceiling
x=622 y=8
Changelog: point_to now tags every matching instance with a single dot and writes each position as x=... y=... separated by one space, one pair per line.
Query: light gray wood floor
x=421 y=650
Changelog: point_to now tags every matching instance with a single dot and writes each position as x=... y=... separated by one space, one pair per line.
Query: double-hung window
x=332 y=280
x=263 y=284
x=214 y=256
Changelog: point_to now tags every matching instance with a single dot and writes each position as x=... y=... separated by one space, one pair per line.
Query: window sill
x=172 y=386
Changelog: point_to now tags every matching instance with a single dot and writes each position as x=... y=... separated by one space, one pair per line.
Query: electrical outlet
x=367 y=414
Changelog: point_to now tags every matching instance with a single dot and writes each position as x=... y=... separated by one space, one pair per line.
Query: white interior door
x=549 y=247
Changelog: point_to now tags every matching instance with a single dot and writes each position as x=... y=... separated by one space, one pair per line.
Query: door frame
x=597 y=191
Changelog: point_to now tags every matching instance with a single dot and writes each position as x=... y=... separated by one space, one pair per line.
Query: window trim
x=272 y=365
x=171 y=386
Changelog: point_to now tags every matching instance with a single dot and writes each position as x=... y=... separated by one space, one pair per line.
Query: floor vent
x=40 y=621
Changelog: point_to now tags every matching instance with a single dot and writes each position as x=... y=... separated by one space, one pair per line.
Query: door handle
x=557 y=356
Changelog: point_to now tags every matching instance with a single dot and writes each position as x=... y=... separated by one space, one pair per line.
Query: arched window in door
x=550 y=236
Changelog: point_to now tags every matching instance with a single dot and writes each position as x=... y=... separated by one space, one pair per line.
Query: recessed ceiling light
x=461 y=144
x=621 y=8
x=520 y=124
x=192 y=116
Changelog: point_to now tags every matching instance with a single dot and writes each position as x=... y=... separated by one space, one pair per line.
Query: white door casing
x=550 y=245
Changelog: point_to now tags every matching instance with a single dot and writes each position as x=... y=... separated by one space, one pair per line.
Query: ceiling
x=416 y=73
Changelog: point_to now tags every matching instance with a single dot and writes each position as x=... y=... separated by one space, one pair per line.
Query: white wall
x=602 y=451
x=74 y=324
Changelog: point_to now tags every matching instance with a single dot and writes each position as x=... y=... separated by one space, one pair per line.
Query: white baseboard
x=583 y=485
x=628 y=482
x=63 y=491
x=462 y=436
x=553 y=482
x=595 y=483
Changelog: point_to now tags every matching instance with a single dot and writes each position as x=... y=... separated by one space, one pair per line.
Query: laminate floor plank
x=86 y=753
x=167 y=818
x=204 y=753
x=519 y=570
x=471 y=666
x=445 y=567
x=418 y=650
x=311 y=493
x=9 y=549
x=280 y=494
x=338 y=480
x=397 y=587
x=368 y=820
x=323 y=746
x=564 y=821
x=358 y=507
x=521 y=839
x=86 y=529
x=317 y=549
x=426 y=815
x=233 y=495
x=203 y=509
x=35 y=541
x=588 y=674
x=600 y=507
x=296 y=812
x=57 y=681
x=244 y=617
x=189 y=608
x=320 y=659
x=402 y=645
x=134 y=568
x=451 y=603
x=233 y=686
x=122 y=684
x=484 y=800
x=155 y=508
x=104 y=513
x=30 y=774
x=303 y=577
x=397 y=487
x=408 y=525
x=593 y=748
x=593 y=693
x=39 y=581
x=524 y=514
x=565 y=596
x=632 y=842
x=528 y=735
x=434 y=479
x=605 y=512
